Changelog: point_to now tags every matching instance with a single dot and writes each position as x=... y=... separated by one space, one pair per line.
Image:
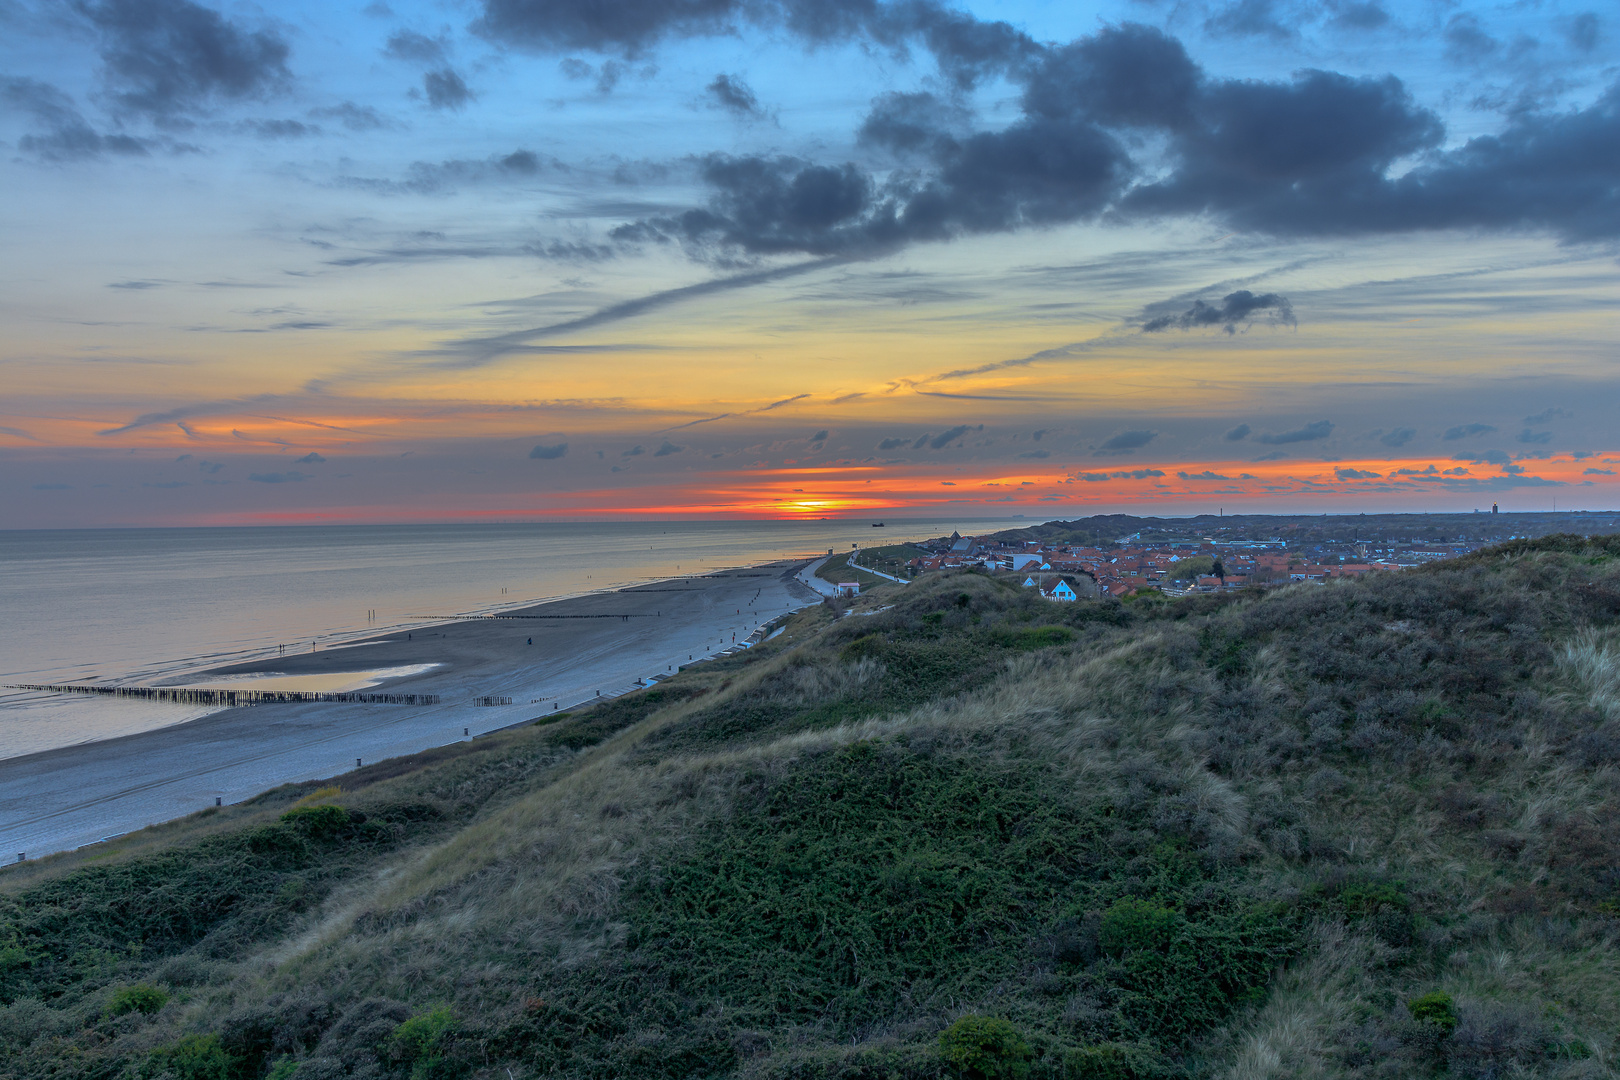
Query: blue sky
x=327 y=262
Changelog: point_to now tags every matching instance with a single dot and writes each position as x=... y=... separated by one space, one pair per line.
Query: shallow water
x=150 y=605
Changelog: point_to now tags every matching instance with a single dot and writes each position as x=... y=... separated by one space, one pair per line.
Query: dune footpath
x=545 y=658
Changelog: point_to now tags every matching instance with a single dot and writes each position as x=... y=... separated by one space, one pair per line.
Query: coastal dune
x=486 y=673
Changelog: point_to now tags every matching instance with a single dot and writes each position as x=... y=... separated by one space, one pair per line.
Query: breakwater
x=230 y=698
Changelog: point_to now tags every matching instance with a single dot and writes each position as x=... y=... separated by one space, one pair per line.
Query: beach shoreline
x=489 y=672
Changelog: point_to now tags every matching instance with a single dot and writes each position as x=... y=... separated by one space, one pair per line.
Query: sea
x=149 y=606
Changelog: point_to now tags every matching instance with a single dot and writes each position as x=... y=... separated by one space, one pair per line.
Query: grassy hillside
x=1364 y=829
x=837 y=570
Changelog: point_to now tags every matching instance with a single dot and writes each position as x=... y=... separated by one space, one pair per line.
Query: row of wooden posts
x=191 y=696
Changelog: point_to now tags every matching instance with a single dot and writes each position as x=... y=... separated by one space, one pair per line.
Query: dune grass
x=958 y=831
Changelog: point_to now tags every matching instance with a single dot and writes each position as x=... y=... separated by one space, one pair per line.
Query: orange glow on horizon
x=831 y=492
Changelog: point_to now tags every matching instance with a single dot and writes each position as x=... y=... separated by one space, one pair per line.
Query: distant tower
x=1493 y=508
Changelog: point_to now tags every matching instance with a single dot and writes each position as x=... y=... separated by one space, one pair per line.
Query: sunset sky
x=513 y=259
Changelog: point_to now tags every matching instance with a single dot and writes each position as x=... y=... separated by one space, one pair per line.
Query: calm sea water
x=138 y=605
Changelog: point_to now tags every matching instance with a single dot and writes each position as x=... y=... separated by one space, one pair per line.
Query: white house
x=849 y=588
x=1059 y=590
x=1022 y=559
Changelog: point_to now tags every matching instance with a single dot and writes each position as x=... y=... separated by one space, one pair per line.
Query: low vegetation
x=1364 y=829
x=838 y=569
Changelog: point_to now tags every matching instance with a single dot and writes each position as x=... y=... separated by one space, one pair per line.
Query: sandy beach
x=544 y=658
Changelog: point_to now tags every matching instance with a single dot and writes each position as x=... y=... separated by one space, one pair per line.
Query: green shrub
x=1034 y=637
x=317 y=822
x=867 y=875
x=1133 y=925
x=282 y=1070
x=420 y=1043
x=137 y=998
x=1366 y=898
x=985 y=1048
x=194 y=1057
x=1435 y=1008
x=1108 y=1061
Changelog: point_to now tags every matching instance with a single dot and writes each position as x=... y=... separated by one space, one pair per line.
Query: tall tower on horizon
x=1493 y=508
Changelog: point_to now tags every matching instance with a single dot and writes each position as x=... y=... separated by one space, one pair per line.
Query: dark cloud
x=1298 y=156
x=906 y=123
x=1585 y=32
x=1466 y=39
x=1398 y=437
x=625 y=26
x=213 y=467
x=418 y=48
x=1037 y=434
x=1124 y=76
x=1235 y=308
x=311 y=458
x=279 y=477
x=892 y=444
x=352 y=116
x=67 y=135
x=667 y=449
x=729 y=92
x=549 y=453
x=163 y=57
x=1321 y=153
x=634 y=451
x=1125 y=442
x=1489 y=457
x=280 y=129
x=1548 y=415
x=967 y=49
x=1314 y=157
x=945 y=438
x=1238 y=434
x=1136 y=474
x=1466 y=431
x=1034 y=172
x=1034 y=455
x=1356 y=474
x=1249 y=18
x=444 y=89
x=1535 y=437
x=1597 y=472
x=1205 y=475
x=443 y=177
x=1321 y=429
x=820 y=436
x=1359 y=15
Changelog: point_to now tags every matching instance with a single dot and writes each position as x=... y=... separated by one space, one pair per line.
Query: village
x=1074 y=560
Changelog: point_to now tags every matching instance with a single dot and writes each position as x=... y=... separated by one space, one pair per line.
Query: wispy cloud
x=475 y=352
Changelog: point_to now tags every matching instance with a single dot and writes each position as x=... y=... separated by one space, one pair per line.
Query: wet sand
x=599 y=643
